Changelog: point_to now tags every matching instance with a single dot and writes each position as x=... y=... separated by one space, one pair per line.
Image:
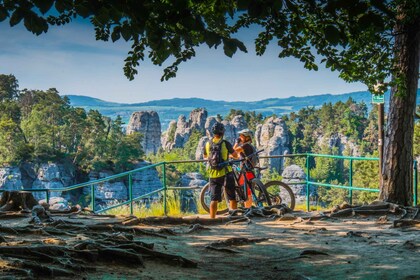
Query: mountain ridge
x=171 y=109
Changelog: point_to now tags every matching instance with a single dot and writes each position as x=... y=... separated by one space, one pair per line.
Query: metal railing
x=131 y=200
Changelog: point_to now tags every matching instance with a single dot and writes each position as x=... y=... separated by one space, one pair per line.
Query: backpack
x=215 y=156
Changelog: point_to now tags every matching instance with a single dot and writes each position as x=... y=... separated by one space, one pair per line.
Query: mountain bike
x=248 y=184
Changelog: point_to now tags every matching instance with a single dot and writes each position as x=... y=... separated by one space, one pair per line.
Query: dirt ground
x=362 y=247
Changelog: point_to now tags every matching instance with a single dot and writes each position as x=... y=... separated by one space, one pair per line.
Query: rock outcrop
x=148 y=124
x=45 y=176
x=179 y=132
x=188 y=197
x=146 y=180
x=112 y=192
x=344 y=145
x=294 y=174
x=231 y=132
x=53 y=176
x=10 y=179
x=272 y=136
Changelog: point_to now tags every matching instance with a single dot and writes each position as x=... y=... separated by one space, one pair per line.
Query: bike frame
x=238 y=171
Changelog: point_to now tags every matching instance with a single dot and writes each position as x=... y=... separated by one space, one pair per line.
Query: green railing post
x=307 y=183
x=92 y=198
x=351 y=182
x=47 y=195
x=165 y=210
x=130 y=192
x=415 y=183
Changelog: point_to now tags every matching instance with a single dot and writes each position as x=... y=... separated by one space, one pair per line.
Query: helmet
x=245 y=132
x=218 y=128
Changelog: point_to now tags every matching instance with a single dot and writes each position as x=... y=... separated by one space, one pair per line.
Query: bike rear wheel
x=263 y=197
x=205 y=199
x=280 y=193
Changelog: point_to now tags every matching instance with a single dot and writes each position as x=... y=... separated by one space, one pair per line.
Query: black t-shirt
x=249 y=149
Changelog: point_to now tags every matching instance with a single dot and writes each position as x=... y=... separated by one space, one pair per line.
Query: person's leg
x=248 y=202
x=213 y=209
x=216 y=194
x=230 y=191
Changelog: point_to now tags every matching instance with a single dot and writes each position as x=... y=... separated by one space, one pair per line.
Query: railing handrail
x=165 y=188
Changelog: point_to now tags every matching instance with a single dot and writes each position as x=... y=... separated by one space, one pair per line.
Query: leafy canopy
x=352 y=36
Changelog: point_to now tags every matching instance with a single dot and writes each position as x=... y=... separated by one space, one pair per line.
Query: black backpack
x=215 y=156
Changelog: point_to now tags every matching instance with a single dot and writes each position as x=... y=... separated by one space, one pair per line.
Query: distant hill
x=170 y=109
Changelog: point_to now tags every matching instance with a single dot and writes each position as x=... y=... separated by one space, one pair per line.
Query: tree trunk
x=16 y=201
x=397 y=169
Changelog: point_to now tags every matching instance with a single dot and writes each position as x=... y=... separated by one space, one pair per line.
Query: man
x=244 y=147
x=216 y=151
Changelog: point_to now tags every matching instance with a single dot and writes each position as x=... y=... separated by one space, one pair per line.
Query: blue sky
x=69 y=59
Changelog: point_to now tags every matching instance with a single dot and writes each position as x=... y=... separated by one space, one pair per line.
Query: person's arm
x=231 y=150
x=205 y=156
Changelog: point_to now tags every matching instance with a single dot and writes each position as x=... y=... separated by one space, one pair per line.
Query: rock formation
x=179 y=132
x=341 y=142
x=10 y=178
x=293 y=174
x=231 y=132
x=53 y=176
x=188 y=197
x=148 y=124
x=272 y=136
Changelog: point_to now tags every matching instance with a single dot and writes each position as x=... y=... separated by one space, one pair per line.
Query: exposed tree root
x=225 y=250
x=237 y=241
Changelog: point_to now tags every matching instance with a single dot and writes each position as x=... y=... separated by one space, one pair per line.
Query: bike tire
x=205 y=199
x=280 y=193
x=263 y=197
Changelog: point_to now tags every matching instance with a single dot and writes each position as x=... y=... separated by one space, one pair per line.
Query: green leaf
x=116 y=34
x=332 y=34
x=3 y=14
x=63 y=5
x=83 y=9
x=126 y=32
x=229 y=47
x=43 y=5
x=16 y=17
x=255 y=9
x=243 y=5
x=212 y=39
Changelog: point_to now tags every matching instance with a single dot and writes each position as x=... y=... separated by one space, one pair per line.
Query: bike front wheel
x=205 y=199
x=280 y=193
x=263 y=197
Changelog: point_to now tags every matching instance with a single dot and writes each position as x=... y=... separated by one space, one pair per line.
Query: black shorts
x=216 y=185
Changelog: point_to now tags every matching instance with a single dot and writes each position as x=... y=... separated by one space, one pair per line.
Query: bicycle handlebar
x=230 y=162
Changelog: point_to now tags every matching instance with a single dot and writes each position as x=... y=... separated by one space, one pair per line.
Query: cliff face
x=344 y=145
x=272 y=136
x=148 y=124
x=179 y=132
x=44 y=176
